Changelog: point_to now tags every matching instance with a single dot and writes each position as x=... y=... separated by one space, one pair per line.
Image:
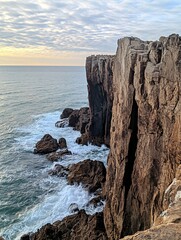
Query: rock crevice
x=144 y=153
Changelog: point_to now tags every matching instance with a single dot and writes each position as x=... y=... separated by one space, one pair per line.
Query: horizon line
x=6 y=65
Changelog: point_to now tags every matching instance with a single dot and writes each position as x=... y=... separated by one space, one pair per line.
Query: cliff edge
x=145 y=145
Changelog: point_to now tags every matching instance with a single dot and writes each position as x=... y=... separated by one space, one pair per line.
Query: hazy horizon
x=59 y=33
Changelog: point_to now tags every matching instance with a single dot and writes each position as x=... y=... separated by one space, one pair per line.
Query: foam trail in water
x=53 y=207
x=57 y=195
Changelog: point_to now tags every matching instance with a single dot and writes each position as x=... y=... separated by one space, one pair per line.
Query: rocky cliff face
x=142 y=93
x=145 y=145
x=100 y=93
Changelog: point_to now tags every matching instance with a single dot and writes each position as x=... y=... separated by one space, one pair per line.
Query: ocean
x=31 y=101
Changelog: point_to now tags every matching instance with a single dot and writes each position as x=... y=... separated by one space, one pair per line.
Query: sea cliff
x=145 y=145
x=135 y=108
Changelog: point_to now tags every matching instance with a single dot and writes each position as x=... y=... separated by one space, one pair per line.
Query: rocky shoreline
x=135 y=109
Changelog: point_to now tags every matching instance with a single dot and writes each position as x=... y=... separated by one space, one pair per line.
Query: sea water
x=31 y=101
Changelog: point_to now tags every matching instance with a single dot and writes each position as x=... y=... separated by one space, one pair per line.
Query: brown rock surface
x=79 y=119
x=169 y=231
x=55 y=156
x=168 y=224
x=145 y=146
x=62 y=143
x=46 y=145
x=78 y=226
x=66 y=113
x=92 y=174
x=100 y=92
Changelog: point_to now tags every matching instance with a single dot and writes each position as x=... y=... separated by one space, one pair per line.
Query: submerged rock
x=55 y=156
x=46 y=145
x=62 y=123
x=59 y=171
x=92 y=174
x=73 y=208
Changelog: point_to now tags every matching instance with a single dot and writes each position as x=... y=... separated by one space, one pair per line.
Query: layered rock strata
x=145 y=145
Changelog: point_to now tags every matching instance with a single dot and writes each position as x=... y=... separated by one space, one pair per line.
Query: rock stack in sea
x=138 y=94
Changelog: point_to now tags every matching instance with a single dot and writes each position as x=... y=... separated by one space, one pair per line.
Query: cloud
x=84 y=26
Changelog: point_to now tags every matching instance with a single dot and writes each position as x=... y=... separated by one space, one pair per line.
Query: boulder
x=78 y=226
x=92 y=174
x=59 y=171
x=62 y=143
x=46 y=145
x=55 y=156
x=66 y=113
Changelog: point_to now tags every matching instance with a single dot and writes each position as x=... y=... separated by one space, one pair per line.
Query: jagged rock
x=100 y=92
x=90 y=173
x=46 y=145
x=66 y=113
x=59 y=171
x=62 y=143
x=145 y=146
x=79 y=119
x=62 y=123
x=77 y=226
x=55 y=156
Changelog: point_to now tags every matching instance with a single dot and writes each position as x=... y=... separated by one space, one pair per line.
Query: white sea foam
x=57 y=195
x=53 y=207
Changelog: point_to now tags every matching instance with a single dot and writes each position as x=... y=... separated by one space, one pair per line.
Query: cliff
x=138 y=91
x=145 y=145
x=100 y=93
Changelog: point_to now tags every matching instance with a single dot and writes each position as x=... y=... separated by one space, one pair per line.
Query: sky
x=64 y=33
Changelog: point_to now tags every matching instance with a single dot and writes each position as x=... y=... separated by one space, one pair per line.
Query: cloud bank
x=84 y=26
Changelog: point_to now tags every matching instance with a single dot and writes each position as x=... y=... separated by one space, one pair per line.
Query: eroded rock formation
x=92 y=174
x=145 y=146
x=143 y=182
x=100 y=93
x=46 y=145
